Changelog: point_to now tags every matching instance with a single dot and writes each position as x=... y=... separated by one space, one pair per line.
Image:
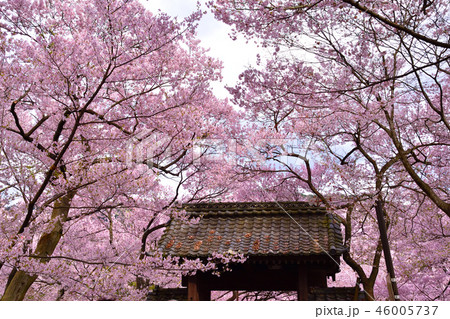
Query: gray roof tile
x=254 y=229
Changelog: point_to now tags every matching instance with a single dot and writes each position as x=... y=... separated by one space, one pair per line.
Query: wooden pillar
x=197 y=291
x=317 y=278
x=302 y=281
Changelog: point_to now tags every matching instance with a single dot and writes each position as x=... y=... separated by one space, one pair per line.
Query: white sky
x=235 y=55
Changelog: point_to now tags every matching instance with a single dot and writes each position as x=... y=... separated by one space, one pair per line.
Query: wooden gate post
x=197 y=291
x=302 y=290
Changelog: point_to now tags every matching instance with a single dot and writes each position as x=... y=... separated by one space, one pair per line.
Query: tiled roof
x=254 y=229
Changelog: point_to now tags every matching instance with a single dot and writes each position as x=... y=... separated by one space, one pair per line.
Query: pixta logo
x=145 y=146
x=149 y=148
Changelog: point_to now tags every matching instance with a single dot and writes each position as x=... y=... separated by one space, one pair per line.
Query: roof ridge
x=247 y=206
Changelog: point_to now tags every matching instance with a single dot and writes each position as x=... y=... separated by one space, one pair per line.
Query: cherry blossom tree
x=101 y=105
x=108 y=120
x=361 y=59
x=351 y=106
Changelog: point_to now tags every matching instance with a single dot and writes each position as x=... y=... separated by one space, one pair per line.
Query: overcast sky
x=235 y=55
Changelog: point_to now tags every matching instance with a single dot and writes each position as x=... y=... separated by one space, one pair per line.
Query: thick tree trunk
x=21 y=281
x=18 y=286
x=368 y=289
